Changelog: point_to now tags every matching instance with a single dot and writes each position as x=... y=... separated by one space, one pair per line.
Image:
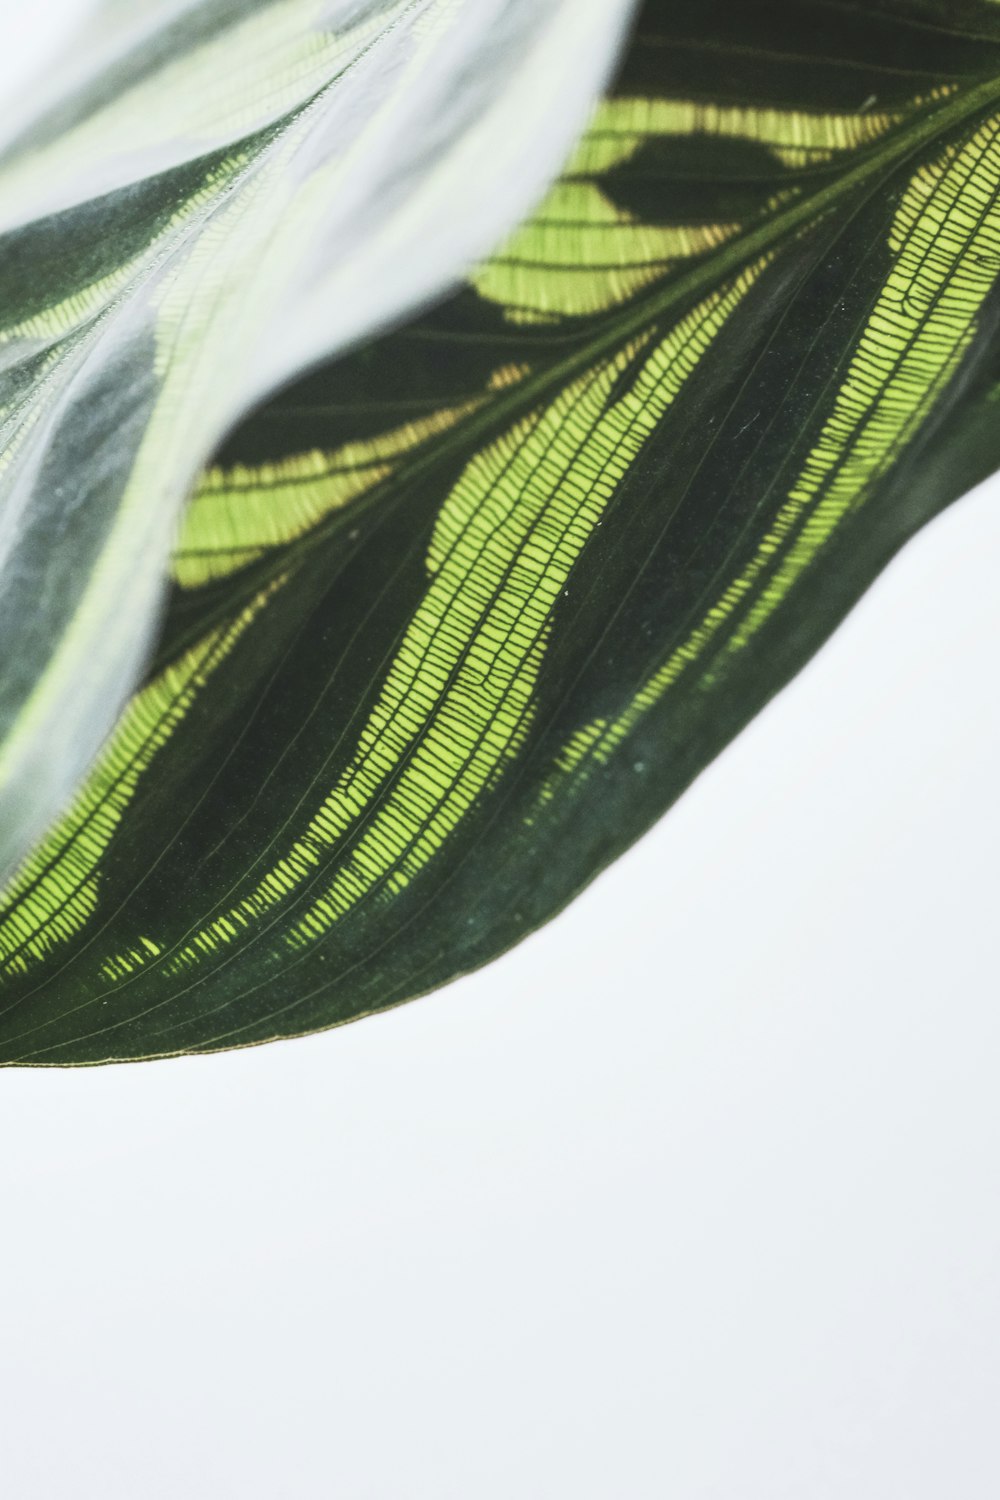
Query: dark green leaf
x=208 y=198
x=456 y=618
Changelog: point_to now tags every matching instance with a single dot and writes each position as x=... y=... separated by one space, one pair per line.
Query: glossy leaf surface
x=457 y=617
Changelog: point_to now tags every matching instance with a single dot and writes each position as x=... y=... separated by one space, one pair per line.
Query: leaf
x=457 y=617
x=206 y=199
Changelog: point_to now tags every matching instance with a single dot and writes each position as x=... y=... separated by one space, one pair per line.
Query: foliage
x=454 y=618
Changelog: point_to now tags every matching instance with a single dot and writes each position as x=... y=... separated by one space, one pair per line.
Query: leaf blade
x=124 y=371
x=480 y=676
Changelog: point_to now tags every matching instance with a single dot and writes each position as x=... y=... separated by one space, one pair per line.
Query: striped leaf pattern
x=207 y=198
x=454 y=618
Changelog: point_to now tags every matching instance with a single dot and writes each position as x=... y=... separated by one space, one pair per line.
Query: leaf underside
x=454 y=619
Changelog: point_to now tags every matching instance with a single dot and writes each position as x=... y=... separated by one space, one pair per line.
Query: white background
x=694 y=1195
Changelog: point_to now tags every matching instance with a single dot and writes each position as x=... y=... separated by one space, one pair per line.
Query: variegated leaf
x=456 y=618
x=207 y=198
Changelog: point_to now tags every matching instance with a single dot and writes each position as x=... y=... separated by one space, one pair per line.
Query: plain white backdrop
x=693 y=1195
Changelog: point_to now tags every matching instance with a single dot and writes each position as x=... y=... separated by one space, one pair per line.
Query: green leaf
x=207 y=198
x=457 y=617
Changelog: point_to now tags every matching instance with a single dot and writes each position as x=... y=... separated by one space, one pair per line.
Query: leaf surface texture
x=456 y=617
x=205 y=199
